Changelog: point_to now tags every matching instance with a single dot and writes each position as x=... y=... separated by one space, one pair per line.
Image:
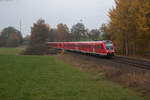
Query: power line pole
x=20 y=25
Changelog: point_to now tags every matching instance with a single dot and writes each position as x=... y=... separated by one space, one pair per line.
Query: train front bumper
x=110 y=54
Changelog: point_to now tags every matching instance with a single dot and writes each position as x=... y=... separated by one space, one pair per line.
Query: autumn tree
x=10 y=37
x=104 y=33
x=129 y=26
x=53 y=36
x=78 y=31
x=119 y=23
x=94 y=34
x=38 y=39
x=63 y=32
x=143 y=25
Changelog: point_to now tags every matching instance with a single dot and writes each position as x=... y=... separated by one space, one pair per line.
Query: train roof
x=103 y=41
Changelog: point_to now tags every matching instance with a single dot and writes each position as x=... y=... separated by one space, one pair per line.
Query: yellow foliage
x=129 y=25
x=48 y=26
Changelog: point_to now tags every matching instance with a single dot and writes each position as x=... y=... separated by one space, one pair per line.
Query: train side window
x=96 y=46
x=102 y=46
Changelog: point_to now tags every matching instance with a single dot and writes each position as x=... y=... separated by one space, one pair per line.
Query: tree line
x=129 y=26
x=78 y=32
x=41 y=33
x=11 y=37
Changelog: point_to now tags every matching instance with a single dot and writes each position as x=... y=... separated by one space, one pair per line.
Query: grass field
x=10 y=51
x=46 y=78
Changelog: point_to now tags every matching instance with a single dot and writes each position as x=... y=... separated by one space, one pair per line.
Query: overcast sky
x=92 y=12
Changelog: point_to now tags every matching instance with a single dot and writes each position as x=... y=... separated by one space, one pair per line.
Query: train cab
x=110 y=48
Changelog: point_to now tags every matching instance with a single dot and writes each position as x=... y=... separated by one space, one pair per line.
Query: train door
x=97 y=48
x=76 y=46
x=102 y=50
x=90 y=48
x=93 y=46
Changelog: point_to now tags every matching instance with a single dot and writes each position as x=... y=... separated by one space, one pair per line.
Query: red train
x=105 y=47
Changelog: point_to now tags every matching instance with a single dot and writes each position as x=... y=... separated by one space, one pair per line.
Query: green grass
x=46 y=78
x=10 y=51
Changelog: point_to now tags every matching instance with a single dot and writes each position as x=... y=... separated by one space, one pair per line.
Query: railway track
x=142 y=64
x=133 y=62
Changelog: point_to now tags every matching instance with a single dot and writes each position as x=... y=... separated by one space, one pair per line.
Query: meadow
x=47 y=78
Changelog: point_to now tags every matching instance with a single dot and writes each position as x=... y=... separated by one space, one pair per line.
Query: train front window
x=109 y=46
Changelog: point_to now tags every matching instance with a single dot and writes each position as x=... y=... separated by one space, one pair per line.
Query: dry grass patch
x=140 y=80
x=128 y=77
